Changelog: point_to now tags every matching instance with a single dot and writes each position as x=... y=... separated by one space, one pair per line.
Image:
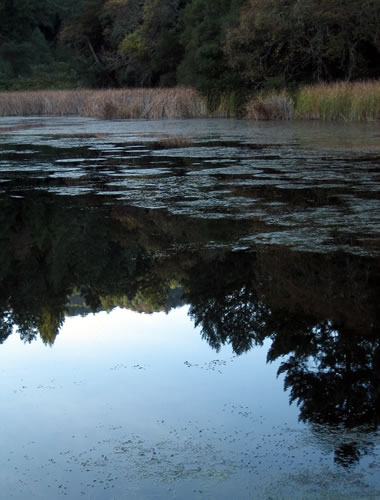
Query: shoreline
x=341 y=101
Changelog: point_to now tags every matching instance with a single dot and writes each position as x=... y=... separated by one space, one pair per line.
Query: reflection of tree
x=50 y=321
x=347 y=454
x=224 y=304
x=48 y=251
x=331 y=367
x=52 y=247
x=5 y=325
x=319 y=311
x=334 y=375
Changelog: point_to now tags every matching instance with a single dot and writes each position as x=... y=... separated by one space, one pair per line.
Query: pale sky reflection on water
x=131 y=405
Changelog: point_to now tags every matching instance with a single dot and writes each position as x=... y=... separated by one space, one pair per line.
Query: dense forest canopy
x=213 y=45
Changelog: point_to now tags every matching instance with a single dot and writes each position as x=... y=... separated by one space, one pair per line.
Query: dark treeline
x=216 y=46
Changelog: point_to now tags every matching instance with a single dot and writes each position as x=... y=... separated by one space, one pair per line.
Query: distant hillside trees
x=213 y=45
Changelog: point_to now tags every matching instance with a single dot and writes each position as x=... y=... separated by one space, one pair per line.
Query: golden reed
x=350 y=101
x=106 y=104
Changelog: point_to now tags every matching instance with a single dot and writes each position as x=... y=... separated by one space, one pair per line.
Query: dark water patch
x=224 y=184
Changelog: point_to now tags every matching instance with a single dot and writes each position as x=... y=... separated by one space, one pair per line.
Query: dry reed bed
x=339 y=101
x=270 y=107
x=106 y=104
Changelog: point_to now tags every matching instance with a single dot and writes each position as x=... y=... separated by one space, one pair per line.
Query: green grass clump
x=223 y=104
x=350 y=101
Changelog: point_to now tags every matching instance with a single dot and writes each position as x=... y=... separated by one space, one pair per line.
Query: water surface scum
x=310 y=186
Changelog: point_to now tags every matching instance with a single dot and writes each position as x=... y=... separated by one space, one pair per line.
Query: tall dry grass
x=356 y=101
x=270 y=107
x=337 y=101
x=106 y=104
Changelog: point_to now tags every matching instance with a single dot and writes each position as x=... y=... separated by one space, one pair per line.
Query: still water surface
x=189 y=309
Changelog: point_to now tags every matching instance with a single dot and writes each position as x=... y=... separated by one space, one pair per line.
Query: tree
x=29 y=39
x=152 y=52
x=306 y=41
x=83 y=34
x=204 y=64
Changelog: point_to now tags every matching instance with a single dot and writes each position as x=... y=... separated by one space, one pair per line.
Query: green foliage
x=19 y=18
x=82 y=34
x=151 y=53
x=6 y=71
x=29 y=55
x=133 y=45
x=22 y=57
x=204 y=64
x=340 y=101
x=221 y=47
x=120 y=18
x=306 y=41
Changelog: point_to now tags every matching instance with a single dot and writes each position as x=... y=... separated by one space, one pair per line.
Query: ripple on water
x=292 y=177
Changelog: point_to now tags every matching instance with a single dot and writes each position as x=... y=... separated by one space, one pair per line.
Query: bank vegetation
x=348 y=101
x=225 y=49
x=148 y=103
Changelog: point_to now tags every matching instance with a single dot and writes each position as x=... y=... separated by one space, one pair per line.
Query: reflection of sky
x=127 y=405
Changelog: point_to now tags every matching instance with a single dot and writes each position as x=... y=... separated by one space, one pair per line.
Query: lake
x=189 y=309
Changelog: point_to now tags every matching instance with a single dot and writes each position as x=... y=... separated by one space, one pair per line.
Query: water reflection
x=320 y=311
x=270 y=240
